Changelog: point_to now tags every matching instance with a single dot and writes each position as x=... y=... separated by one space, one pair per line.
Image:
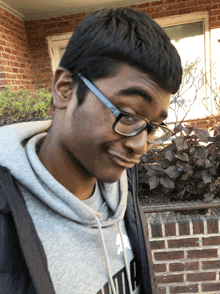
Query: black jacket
x=23 y=263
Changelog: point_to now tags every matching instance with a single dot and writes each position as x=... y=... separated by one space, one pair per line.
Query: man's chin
x=111 y=178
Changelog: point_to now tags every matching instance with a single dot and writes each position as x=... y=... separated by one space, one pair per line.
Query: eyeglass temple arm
x=99 y=94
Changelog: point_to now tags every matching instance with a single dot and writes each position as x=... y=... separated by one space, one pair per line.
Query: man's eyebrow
x=134 y=91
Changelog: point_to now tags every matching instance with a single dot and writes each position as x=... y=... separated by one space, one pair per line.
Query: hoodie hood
x=18 y=153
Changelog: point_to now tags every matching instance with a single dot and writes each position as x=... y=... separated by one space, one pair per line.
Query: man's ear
x=61 y=87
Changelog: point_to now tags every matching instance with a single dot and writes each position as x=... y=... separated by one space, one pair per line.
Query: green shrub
x=24 y=105
x=185 y=170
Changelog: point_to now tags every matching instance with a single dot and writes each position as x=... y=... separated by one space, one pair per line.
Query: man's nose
x=138 y=144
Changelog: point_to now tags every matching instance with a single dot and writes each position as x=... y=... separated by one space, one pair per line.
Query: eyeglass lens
x=131 y=126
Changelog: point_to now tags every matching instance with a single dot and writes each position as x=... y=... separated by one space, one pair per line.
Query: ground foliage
x=188 y=169
x=21 y=105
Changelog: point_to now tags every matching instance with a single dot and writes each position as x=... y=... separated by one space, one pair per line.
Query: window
x=190 y=35
x=57 y=45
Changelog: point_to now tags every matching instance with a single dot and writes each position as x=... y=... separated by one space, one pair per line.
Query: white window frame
x=189 y=18
x=55 y=45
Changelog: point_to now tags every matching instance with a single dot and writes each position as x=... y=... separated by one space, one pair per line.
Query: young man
x=70 y=221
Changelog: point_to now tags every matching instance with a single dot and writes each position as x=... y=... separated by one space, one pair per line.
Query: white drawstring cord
x=125 y=258
x=106 y=256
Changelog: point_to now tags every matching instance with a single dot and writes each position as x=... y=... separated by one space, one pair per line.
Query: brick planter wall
x=186 y=252
x=15 y=59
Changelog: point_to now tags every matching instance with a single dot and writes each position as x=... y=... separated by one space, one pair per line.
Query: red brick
x=75 y=22
x=186 y=266
x=204 y=2
x=215 y=25
x=169 y=1
x=214 y=12
x=179 y=5
x=143 y=5
x=68 y=17
x=202 y=253
x=177 y=278
x=184 y=289
x=211 y=264
x=170 y=229
x=167 y=8
x=153 y=9
x=208 y=276
x=158 y=15
x=157 y=2
x=133 y=6
x=3 y=43
x=211 y=241
x=4 y=55
x=156 y=231
x=185 y=10
x=169 y=255
x=198 y=227
x=211 y=287
x=160 y=268
x=187 y=242
x=191 y=3
x=212 y=226
x=161 y=289
x=184 y=229
x=157 y=244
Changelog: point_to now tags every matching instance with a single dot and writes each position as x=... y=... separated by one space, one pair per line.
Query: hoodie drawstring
x=125 y=258
x=107 y=259
x=106 y=256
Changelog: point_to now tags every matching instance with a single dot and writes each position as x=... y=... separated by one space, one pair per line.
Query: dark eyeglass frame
x=118 y=113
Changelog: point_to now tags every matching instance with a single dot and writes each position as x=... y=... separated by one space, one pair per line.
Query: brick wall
x=15 y=60
x=23 y=46
x=166 y=8
x=204 y=123
x=25 y=59
x=37 y=31
x=186 y=252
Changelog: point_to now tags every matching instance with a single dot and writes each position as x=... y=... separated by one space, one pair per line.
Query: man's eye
x=129 y=120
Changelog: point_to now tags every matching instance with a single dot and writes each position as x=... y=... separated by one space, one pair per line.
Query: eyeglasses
x=129 y=125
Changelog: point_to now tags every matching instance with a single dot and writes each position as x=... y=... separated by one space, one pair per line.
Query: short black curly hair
x=108 y=37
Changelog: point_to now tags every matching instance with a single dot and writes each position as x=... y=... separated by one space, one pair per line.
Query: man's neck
x=68 y=174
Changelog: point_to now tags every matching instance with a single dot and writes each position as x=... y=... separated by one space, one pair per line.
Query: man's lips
x=121 y=160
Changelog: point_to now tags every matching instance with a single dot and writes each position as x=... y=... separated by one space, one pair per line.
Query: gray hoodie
x=85 y=242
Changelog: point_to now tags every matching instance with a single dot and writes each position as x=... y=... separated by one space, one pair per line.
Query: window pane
x=188 y=39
